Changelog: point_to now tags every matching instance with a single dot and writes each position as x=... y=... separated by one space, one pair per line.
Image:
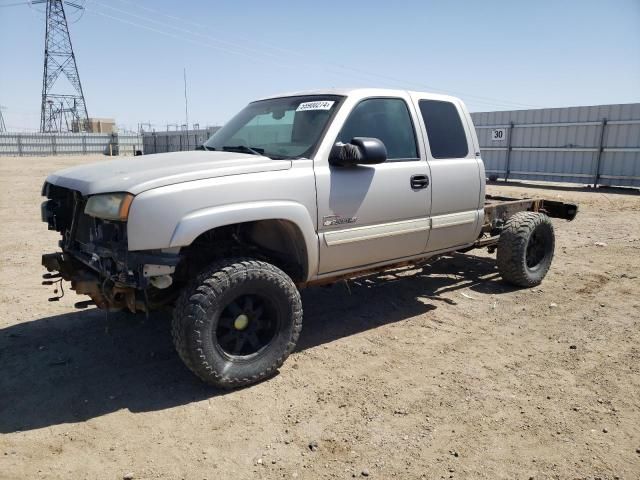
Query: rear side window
x=444 y=129
x=386 y=119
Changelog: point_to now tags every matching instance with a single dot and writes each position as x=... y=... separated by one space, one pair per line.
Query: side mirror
x=360 y=151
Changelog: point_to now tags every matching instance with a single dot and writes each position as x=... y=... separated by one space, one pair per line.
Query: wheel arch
x=279 y=226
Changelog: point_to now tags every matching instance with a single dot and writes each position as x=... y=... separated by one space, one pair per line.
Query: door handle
x=419 y=181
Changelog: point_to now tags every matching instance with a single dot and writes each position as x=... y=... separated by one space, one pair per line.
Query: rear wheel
x=238 y=322
x=525 y=249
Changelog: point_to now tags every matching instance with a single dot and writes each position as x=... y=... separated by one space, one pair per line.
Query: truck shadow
x=347 y=308
x=69 y=368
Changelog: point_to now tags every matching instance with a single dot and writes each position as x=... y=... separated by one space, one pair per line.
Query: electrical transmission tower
x=63 y=107
x=3 y=127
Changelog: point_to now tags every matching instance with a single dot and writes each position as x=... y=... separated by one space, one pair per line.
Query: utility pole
x=186 y=108
x=141 y=126
x=60 y=61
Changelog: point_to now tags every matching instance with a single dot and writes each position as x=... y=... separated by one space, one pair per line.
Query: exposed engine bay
x=96 y=260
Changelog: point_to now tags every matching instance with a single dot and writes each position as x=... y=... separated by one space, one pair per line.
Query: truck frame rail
x=498 y=209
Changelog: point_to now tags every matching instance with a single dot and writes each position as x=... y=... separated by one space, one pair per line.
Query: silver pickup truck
x=296 y=190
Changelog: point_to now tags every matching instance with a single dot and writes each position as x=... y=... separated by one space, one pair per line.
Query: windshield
x=288 y=127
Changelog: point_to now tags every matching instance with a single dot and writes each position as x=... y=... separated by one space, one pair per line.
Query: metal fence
x=597 y=145
x=177 y=141
x=34 y=144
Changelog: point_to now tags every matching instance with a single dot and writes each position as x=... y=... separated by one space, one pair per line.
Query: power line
x=192 y=41
x=16 y=4
x=299 y=54
x=252 y=52
x=171 y=35
x=183 y=30
x=482 y=100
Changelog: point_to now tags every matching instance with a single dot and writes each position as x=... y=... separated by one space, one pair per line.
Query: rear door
x=456 y=173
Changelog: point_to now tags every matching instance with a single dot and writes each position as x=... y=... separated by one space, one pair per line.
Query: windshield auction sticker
x=320 y=105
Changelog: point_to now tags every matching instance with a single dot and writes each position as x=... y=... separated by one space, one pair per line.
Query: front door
x=370 y=214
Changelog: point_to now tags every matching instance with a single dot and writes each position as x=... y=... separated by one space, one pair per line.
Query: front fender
x=196 y=223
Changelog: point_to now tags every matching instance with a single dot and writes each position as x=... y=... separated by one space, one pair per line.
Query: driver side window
x=386 y=119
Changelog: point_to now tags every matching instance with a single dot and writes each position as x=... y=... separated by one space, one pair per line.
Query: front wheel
x=525 y=249
x=238 y=322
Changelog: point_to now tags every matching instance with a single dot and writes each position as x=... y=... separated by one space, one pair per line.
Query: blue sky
x=496 y=55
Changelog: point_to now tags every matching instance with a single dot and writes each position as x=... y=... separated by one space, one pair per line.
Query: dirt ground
x=441 y=372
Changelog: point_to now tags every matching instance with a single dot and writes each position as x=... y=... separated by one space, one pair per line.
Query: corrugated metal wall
x=34 y=144
x=591 y=145
x=129 y=144
x=161 y=142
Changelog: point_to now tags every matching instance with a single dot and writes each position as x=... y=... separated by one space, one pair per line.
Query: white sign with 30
x=499 y=134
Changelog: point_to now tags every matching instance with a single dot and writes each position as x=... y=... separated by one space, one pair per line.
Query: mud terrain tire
x=525 y=249
x=237 y=322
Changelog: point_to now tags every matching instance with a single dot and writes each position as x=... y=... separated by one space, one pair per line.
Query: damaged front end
x=96 y=260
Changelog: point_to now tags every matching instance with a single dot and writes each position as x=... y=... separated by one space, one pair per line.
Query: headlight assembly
x=109 y=206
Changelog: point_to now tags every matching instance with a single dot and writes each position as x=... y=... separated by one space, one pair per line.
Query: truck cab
x=427 y=196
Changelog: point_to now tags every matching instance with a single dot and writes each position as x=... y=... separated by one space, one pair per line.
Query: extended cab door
x=369 y=214
x=457 y=174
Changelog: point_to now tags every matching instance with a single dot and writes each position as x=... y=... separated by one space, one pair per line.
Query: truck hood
x=137 y=174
